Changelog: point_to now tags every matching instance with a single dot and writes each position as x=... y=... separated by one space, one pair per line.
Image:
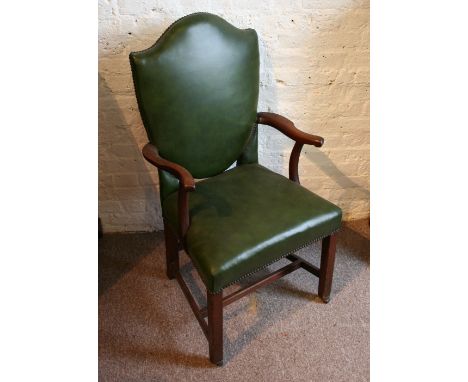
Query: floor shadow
x=355 y=241
x=165 y=356
x=119 y=253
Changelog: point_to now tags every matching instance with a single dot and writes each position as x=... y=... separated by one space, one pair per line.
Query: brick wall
x=314 y=70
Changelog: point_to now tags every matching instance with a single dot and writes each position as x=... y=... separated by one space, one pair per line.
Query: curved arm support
x=287 y=128
x=186 y=183
x=294 y=162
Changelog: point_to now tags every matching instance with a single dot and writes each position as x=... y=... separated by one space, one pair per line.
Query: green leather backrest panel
x=197 y=91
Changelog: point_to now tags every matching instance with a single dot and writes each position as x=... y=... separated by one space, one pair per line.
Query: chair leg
x=172 y=252
x=215 y=327
x=327 y=263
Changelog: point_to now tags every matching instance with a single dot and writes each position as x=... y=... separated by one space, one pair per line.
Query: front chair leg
x=215 y=327
x=172 y=252
x=327 y=263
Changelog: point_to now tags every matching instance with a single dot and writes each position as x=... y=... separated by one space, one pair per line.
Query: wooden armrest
x=287 y=128
x=151 y=154
x=186 y=184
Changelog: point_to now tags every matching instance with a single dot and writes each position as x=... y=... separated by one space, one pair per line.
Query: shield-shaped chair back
x=197 y=91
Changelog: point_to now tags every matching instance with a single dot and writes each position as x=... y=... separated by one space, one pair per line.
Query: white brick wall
x=314 y=70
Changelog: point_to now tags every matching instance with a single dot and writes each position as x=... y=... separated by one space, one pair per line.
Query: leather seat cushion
x=247 y=218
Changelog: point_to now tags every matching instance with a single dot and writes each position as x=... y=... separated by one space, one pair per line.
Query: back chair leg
x=172 y=252
x=327 y=263
x=215 y=327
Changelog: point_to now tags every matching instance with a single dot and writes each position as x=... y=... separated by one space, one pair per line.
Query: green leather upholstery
x=197 y=90
x=168 y=183
x=248 y=217
x=250 y=153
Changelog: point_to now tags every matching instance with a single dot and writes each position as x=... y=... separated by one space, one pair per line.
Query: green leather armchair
x=197 y=92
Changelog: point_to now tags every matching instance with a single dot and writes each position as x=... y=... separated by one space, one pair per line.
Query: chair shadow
x=351 y=188
x=123 y=204
x=165 y=356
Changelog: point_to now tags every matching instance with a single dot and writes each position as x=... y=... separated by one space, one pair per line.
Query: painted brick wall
x=314 y=70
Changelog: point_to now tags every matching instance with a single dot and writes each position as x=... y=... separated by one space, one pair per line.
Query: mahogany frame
x=213 y=329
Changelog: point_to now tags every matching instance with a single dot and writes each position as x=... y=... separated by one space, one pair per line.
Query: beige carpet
x=282 y=332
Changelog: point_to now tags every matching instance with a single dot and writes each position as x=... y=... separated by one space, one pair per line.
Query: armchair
x=197 y=92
